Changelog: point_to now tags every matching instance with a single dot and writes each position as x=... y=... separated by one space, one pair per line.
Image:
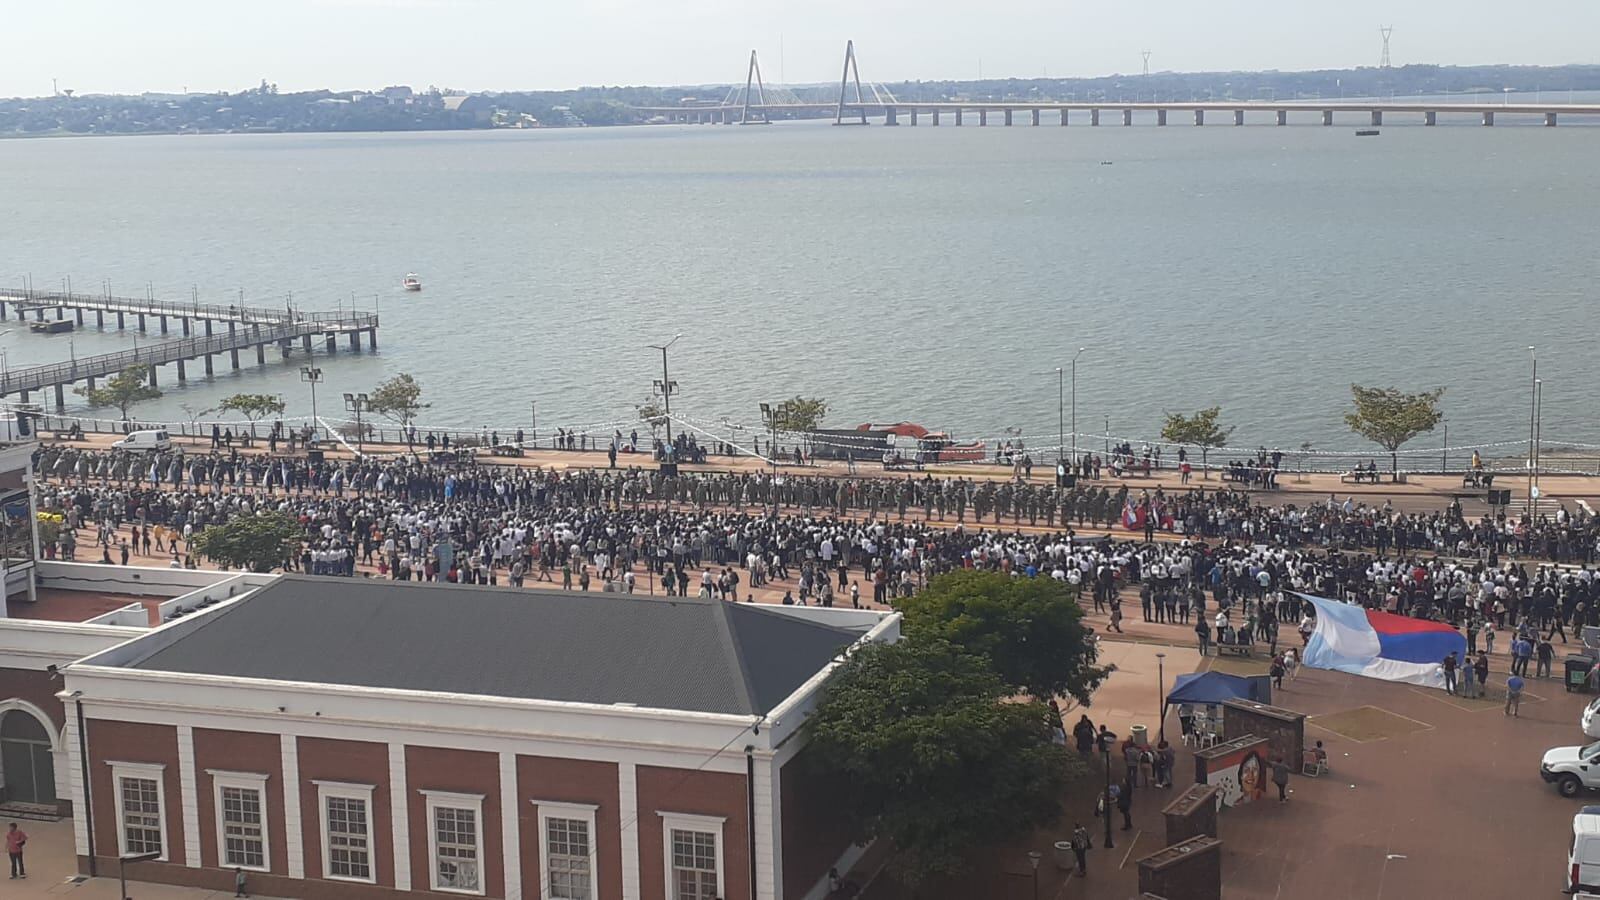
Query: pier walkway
x=247 y=327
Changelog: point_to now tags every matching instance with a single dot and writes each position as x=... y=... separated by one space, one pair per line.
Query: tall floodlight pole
x=1075 y=397
x=1533 y=411
x=311 y=375
x=666 y=385
x=1061 y=406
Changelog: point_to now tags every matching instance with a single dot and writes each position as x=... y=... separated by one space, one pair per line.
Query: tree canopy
x=801 y=413
x=1389 y=417
x=255 y=543
x=939 y=760
x=254 y=406
x=1200 y=430
x=652 y=414
x=122 y=390
x=399 y=400
x=1030 y=629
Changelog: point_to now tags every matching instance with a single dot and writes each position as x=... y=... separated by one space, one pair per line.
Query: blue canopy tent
x=1215 y=687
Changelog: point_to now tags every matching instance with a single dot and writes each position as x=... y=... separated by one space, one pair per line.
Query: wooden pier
x=227 y=329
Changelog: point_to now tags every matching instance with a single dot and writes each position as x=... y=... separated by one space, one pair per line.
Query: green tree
x=802 y=414
x=1199 y=430
x=938 y=758
x=256 y=543
x=122 y=390
x=1388 y=417
x=254 y=407
x=399 y=400
x=1030 y=629
x=651 y=413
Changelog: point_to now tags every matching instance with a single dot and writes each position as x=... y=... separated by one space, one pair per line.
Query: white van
x=145 y=441
x=1583 y=860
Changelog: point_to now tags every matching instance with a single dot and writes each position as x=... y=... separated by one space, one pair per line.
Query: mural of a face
x=1251 y=772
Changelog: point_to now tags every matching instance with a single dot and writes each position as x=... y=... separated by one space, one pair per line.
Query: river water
x=936 y=275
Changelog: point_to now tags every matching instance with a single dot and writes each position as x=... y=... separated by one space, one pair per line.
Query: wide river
x=933 y=275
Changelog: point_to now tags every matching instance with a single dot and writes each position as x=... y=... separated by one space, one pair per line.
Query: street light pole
x=771 y=415
x=1105 y=755
x=533 y=414
x=665 y=385
x=311 y=375
x=1533 y=413
x=1075 y=397
x=1061 y=407
x=1161 y=696
x=1538 y=428
x=356 y=403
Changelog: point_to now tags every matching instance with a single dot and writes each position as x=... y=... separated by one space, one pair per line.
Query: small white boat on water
x=411 y=282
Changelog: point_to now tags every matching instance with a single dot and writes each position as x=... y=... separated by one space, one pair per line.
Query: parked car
x=1590 y=720
x=1571 y=769
x=1583 y=860
x=145 y=441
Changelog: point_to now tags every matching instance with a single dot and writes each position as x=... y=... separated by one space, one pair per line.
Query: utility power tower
x=1385 y=30
x=1146 y=63
x=850 y=69
x=753 y=77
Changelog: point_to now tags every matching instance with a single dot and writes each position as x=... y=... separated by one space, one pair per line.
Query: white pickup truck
x=1572 y=769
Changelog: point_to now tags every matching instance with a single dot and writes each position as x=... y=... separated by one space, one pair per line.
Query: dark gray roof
x=684 y=654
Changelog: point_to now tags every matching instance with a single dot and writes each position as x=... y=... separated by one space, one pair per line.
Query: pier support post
x=1161 y=117
x=208 y=328
x=38 y=314
x=983 y=117
x=958 y=117
x=305 y=343
x=80 y=318
x=234 y=356
x=1327 y=117
x=1430 y=118
x=183 y=374
x=285 y=346
x=1094 y=117
x=261 y=354
x=1488 y=117
x=1063 y=115
x=1008 y=118
x=1549 y=120
x=1127 y=117
x=1199 y=117
x=141 y=322
x=913 y=118
x=1036 y=117
x=891 y=115
x=121 y=321
x=333 y=344
x=90 y=382
x=209 y=370
x=355 y=341
x=100 y=318
x=1283 y=117
x=163 y=324
x=1238 y=117
x=372 y=338
x=61 y=397
x=184 y=322
x=936 y=117
x=153 y=375
x=61 y=313
x=24 y=396
x=1377 y=117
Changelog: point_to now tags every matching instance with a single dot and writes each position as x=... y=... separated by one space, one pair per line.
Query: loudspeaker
x=314 y=457
x=1499 y=496
x=669 y=470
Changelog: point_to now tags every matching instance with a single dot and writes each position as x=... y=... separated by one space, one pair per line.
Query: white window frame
x=437 y=800
x=327 y=790
x=712 y=825
x=582 y=812
x=248 y=781
x=151 y=772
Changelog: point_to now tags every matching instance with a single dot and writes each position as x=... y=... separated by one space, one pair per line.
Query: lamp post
x=1061 y=407
x=1075 y=397
x=311 y=375
x=666 y=385
x=533 y=414
x=356 y=403
x=771 y=416
x=1161 y=696
x=1105 y=755
x=1034 y=858
x=1538 y=428
x=1533 y=413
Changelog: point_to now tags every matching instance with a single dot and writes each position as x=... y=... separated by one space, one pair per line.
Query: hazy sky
x=167 y=45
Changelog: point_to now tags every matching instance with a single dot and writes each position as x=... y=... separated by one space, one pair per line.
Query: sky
x=121 y=46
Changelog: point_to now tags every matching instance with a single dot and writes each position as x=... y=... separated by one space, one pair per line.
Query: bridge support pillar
x=1327 y=117
x=1283 y=116
x=80 y=318
x=333 y=343
x=305 y=343
x=234 y=355
x=208 y=328
x=372 y=338
x=183 y=373
x=891 y=116
x=121 y=321
x=261 y=354
x=958 y=118
x=90 y=382
x=936 y=117
x=61 y=313
x=355 y=341
x=153 y=375
x=99 y=318
x=184 y=324
x=1161 y=117
x=39 y=314
x=141 y=322
x=1488 y=117
x=1549 y=120
x=285 y=346
x=1238 y=117
x=1377 y=117
x=1008 y=118
x=163 y=324
x=983 y=117
x=1127 y=117
x=1036 y=117
x=209 y=368
x=1094 y=117
x=24 y=396
x=1199 y=117
x=1430 y=118
x=913 y=117
x=1063 y=115
x=61 y=397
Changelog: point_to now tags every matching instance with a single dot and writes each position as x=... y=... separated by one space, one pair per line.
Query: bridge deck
x=249 y=315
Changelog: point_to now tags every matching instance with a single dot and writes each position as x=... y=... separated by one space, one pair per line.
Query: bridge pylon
x=850 y=68
x=753 y=77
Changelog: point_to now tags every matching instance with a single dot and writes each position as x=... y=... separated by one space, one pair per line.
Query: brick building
x=350 y=738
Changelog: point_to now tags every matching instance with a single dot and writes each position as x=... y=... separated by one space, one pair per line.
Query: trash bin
x=1140 y=735
x=1065 y=858
x=1576 y=673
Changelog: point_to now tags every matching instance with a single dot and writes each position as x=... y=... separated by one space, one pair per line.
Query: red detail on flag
x=1389 y=623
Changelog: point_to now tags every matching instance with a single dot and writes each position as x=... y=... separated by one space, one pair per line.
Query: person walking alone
x=1080 y=848
x=16 y=839
x=1280 y=777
